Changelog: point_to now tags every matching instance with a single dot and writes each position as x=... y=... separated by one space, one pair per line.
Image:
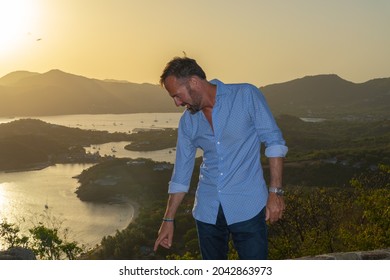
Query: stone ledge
x=382 y=254
x=17 y=254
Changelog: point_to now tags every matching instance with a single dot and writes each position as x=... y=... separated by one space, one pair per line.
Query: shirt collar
x=220 y=86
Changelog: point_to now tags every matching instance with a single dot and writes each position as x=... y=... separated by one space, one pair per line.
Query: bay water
x=27 y=196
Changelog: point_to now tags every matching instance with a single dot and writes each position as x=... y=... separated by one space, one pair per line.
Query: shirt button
x=218 y=142
x=221 y=174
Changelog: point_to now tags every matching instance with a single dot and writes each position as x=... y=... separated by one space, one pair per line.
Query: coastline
x=91 y=252
x=35 y=167
x=135 y=207
x=122 y=199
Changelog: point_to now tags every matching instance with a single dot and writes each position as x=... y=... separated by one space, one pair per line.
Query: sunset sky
x=256 y=41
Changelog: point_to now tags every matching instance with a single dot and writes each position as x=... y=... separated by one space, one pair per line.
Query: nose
x=177 y=102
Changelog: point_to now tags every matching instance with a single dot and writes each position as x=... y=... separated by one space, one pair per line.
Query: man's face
x=183 y=94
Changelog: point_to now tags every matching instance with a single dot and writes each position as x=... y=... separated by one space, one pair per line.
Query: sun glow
x=18 y=20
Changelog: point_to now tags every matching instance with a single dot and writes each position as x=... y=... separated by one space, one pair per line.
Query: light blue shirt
x=231 y=172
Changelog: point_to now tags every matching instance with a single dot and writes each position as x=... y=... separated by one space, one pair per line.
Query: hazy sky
x=256 y=41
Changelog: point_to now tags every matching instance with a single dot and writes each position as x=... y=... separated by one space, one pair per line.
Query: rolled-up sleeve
x=176 y=188
x=185 y=159
x=276 y=151
x=266 y=127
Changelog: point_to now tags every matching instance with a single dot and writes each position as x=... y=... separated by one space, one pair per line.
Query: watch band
x=277 y=190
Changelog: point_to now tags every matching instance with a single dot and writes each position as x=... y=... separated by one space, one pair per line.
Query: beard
x=193 y=109
x=195 y=106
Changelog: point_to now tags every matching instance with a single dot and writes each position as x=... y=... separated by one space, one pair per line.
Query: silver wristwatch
x=278 y=191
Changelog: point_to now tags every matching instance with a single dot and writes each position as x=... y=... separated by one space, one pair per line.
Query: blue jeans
x=249 y=238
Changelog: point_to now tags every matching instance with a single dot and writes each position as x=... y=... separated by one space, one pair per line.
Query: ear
x=194 y=81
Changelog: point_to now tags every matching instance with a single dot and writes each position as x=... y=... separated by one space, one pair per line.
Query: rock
x=381 y=254
x=17 y=253
x=376 y=255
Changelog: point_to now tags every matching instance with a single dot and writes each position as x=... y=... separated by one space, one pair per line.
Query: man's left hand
x=275 y=207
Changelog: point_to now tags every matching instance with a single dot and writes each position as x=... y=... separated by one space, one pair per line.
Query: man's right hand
x=165 y=235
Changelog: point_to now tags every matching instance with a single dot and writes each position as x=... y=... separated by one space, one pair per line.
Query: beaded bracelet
x=168 y=220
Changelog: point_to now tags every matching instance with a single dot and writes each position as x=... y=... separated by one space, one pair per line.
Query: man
x=228 y=122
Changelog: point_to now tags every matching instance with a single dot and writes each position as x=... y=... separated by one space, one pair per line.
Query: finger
x=156 y=245
x=159 y=242
x=164 y=244
x=276 y=215
x=169 y=241
x=272 y=220
x=266 y=214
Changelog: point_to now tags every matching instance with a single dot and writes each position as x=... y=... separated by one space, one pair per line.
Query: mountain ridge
x=329 y=95
x=59 y=93
x=55 y=92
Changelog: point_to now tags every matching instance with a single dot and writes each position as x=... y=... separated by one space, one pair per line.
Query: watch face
x=279 y=192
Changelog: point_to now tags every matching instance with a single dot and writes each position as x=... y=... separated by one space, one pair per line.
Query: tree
x=46 y=243
x=10 y=233
x=372 y=201
x=45 y=239
x=322 y=220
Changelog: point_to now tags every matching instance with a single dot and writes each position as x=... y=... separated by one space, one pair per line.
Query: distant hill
x=30 y=143
x=58 y=93
x=15 y=77
x=330 y=96
x=25 y=93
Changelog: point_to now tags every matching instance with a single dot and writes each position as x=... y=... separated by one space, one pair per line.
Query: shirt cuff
x=176 y=188
x=276 y=151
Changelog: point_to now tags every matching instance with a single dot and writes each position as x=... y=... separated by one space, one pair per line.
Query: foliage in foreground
x=327 y=220
x=45 y=238
x=318 y=220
